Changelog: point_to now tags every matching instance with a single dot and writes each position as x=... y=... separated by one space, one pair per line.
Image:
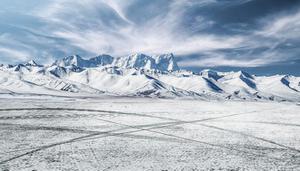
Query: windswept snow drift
x=142 y=75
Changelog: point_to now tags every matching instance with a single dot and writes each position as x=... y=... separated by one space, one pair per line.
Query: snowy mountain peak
x=31 y=63
x=101 y=60
x=138 y=61
x=207 y=73
x=166 y=62
x=162 y=63
x=75 y=60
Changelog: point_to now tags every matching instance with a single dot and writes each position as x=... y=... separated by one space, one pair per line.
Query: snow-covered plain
x=125 y=133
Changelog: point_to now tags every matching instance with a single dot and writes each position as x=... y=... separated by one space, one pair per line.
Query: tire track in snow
x=106 y=111
x=252 y=136
x=112 y=112
x=48 y=128
x=275 y=123
x=106 y=134
x=96 y=159
x=179 y=122
x=86 y=137
x=82 y=131
x=262 y=122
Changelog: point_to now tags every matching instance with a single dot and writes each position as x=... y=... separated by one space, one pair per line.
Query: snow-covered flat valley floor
x=148 y=134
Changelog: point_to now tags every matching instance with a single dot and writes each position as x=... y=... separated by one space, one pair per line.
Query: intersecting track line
x=158 y=117
x=110 y=112
x=108 y=134
x=237 y=132
x=261 y=122
x=252 y=136
x=241 y=133
x=101 y=111
x=273 y=123
x=130 y=126
x=72 y=109
x=30 y=127
x=188 y=139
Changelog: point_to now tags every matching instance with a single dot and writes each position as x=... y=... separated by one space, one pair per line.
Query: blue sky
x=260 y=36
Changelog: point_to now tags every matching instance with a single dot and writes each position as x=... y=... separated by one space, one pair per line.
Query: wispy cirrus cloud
x=275 y=41
x=282 y=26
x=122 y=35
x=16 y=55
x=215 y=32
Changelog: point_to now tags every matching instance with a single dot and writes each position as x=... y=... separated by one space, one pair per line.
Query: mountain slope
x=142 y=75
x=36 y=79
x=130 y=82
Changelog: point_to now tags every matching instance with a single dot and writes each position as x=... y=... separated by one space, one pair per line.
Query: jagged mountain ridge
x=142 y=75
x=164 y=62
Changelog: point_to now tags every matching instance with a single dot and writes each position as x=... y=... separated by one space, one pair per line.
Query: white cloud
x=213 y=59
x=118 y=6
x=160 y=34
x=15 y=55
x=221 y=61
x=286 y=26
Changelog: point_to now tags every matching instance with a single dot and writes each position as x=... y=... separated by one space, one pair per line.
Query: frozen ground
x=148 y=134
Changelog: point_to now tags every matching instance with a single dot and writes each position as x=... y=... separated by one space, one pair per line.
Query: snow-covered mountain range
x=141 y=75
